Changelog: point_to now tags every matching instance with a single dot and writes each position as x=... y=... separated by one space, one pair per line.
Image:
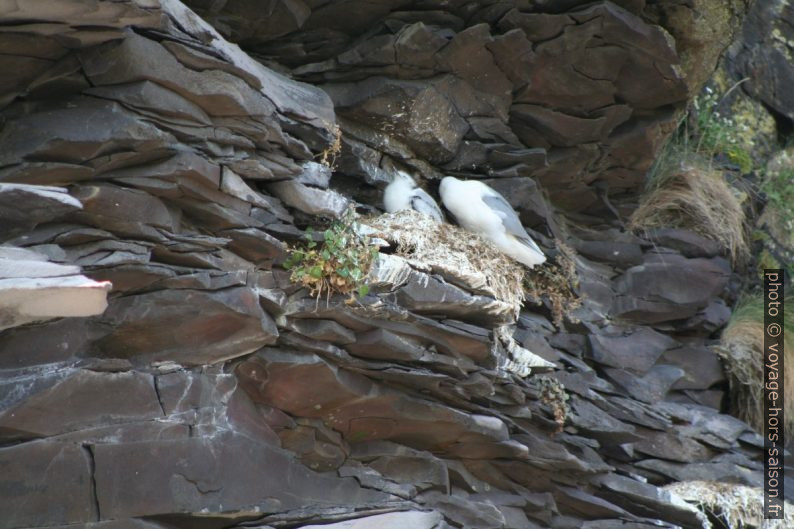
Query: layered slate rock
x=33 y=288
x=141 y=148
x=568 y=98
x=762 y=55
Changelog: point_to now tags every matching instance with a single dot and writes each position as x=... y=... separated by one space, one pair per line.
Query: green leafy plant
x=779 y=189
x=716 y=133
x=339 y=263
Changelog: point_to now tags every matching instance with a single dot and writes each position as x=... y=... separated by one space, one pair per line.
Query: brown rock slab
x=188 y=327
x=45 y=483
x=226 y=473
x=82 y=399
x=358 y=408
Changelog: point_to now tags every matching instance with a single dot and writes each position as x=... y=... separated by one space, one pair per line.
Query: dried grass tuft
x=742 y=350
x=462 y=257
x=694 y=196
x=556 y=281
x=732 y=506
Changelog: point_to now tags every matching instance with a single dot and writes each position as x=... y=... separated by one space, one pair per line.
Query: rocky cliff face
x=140 y=147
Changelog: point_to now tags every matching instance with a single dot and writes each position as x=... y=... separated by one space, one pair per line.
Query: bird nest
x=459 y=256
x=730 y=506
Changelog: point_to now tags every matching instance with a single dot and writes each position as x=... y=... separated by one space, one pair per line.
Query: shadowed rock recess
x=141 y=147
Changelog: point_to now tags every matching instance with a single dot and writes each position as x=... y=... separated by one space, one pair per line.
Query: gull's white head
x=402 y=176
x=397 y=195
x=446 y=183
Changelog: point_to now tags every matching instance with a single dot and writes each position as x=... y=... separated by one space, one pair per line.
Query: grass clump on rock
x=338 y=264
x=742 y=350
x=694 y=196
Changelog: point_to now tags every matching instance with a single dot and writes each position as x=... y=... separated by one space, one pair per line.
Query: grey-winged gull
x=483 y=211
x=403 y=193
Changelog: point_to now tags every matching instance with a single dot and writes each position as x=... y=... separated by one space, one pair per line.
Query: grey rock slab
x=652 y=386
x=226 y=473
x=301 y=101
x=128 y=523
x=132 y=277
x=721 y=472
x=26 y=300
x=183 y=391
x=182 y=166
x=123 y=211
x=419 y=114
x=594 y=422
x=636 y=350
x=255 y=246
x=547 y=454
x=707 y=320
x=47 y=343
x=80 y=400
x=644 y=499
x=310 y=200
x=619 y=253
x=233 y=184
x=152 y=97
x=372 y=479
x=402 y=464
x=137 y=58
x=587 y=504
x=46 y=483
x=201 y=58
x=381 y=344
x=702 y=366
x=23 y=206
x=129 y=432
x=690 y=244
x=188 y=327
x=22 y=263
x=565 y=130
x=328 y=330
x=669 y=287
x=317 y=446
x=51 y=134
x=431 y=295
x=673 y=446
x=100 y=14
x=464 y=511
x=392 y=520
x=764 y=57
x=315 y=174
x=46 y=173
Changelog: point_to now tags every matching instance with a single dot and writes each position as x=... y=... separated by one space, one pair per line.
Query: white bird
x=403 y=193
x=482 y=210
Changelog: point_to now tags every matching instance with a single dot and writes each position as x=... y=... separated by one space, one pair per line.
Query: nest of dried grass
x=461 y=257
x=742 y=350
x=696 y=197
x=732 y=506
